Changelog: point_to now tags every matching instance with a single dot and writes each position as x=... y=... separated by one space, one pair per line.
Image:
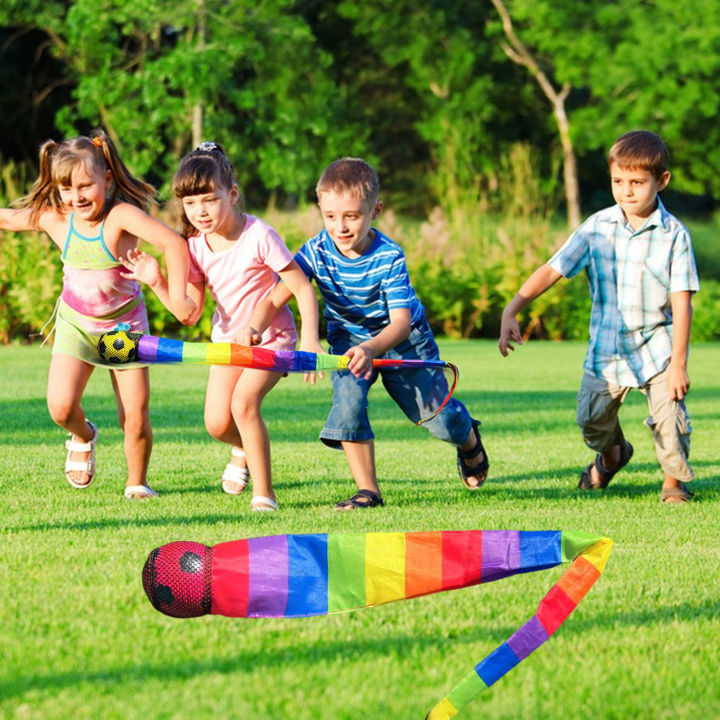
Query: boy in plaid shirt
x=642 y=275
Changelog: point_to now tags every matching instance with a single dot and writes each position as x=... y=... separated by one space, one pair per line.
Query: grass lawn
x=80 y=640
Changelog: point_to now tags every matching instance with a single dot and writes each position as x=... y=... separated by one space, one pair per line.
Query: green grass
x=80 y=640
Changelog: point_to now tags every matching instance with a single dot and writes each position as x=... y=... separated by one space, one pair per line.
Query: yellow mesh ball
x=117 y=347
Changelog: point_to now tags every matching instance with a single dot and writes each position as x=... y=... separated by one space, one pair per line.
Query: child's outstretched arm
x=540 y=281
x=144 y=268
x=678 y=381
x=16 y=220
x=137 y=222
x=397 y=330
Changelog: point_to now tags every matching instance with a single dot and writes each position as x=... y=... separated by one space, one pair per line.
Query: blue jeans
x=417 y=392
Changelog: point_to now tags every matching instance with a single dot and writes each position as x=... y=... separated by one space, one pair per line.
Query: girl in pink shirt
x=239 y=259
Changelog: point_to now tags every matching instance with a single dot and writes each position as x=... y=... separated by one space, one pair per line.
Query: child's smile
x=86 y=193
x=347 y=219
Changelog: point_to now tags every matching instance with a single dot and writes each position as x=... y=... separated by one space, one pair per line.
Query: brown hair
x=640 y=149
x=353 y=175
x=202 y=171
x=58 y=160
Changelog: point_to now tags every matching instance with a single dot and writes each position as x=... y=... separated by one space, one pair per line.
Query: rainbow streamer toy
x=123 y=347
x=303 y=575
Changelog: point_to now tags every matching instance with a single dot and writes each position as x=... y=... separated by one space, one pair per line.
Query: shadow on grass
x=272 y=660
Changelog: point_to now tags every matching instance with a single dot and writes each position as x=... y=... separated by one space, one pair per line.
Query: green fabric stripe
x=326 y=362
x=466 y=690
x=346 y=571
x=194 y=352
x=575 y=543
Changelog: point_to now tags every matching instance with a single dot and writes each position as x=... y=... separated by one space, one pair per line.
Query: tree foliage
x=421 y=88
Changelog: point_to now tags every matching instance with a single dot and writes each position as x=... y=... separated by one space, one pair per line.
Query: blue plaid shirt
x=631 y=274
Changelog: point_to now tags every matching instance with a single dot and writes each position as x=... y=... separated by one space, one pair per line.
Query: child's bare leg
x=250 y=390
x=67 y=380
x=132 y=391
x=361 y=459
x=220 y=423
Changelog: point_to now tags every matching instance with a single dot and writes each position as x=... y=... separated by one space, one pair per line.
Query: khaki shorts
x=599 y=401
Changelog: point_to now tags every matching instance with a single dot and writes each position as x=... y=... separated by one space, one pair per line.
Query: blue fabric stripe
x=496 y=664
x=307 y=575
x=169 y=350
x=540 y=549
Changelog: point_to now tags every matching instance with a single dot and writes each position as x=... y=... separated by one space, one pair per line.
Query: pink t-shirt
x=240 y=277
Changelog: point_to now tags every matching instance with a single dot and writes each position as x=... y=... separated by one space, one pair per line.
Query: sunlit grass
x=80 y=640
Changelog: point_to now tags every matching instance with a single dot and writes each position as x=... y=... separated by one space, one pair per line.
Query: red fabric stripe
x=262 y=357
x=462 y=558
x=554 y=609
x=230 y=579
x=423 y=563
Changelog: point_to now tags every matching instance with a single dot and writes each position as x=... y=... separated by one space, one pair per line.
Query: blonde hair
x=353 y=175
x=201 y=171
x=97 y=152
x=640 y=149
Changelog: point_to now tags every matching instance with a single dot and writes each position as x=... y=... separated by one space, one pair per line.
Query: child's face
x=85 y=195
x=347 y=219
x=635 y=191
x=211 y=212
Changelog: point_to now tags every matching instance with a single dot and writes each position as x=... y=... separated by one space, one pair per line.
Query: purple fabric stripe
x=268 y=581
x=500 y=554
x=528 y=638
x=284 y=360
x=147 y=348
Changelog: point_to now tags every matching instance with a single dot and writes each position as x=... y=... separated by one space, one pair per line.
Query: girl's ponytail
x=126 y=185
x=44 y=194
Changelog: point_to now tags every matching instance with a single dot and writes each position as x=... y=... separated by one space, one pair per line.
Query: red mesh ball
x=177 y=578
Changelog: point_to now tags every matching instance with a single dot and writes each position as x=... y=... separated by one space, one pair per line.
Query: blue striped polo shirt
x=360 y=292
x=632 y=274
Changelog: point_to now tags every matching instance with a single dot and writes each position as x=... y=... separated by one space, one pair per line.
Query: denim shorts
x=417 y=392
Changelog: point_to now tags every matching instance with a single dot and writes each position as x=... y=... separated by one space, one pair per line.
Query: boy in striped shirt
x=642 y=275
x=372 y=311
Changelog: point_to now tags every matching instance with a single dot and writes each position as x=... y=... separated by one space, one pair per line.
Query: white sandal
x=87 y=465
x=139 y=492
x=235 y=474
x=260 y=503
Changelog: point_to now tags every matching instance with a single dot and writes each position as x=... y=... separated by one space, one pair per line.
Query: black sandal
x=361 y=499
x=606 y=475
x=481 y=468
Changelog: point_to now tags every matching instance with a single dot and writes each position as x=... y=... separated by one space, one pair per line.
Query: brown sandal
x=681 y=492
x=606 y=475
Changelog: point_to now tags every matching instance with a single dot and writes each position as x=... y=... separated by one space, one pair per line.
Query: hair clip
x=97 y=141
x=207 y=146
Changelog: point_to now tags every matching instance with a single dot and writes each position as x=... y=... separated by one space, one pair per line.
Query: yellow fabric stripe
x=384 y=567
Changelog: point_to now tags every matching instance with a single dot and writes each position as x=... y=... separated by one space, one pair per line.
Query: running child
x=239 y=259
x=90 y=205
x=372 y=311
x=640 y=266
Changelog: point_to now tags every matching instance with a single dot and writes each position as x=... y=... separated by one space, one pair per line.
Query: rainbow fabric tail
x=123 y=347
x=316 y=574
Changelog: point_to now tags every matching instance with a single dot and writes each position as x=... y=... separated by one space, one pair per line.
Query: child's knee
x=61 y=411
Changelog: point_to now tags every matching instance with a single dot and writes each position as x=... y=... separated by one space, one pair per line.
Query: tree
x=519 y=53
x=152 y=72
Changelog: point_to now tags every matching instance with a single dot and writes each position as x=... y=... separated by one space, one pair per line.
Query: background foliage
x=464 y=140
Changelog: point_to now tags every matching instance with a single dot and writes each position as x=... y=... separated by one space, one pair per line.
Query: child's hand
x=142 y=267
x=360 y=364
x=678 y=381
x=509 y=330
x=248 y=336
x=317 y=348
